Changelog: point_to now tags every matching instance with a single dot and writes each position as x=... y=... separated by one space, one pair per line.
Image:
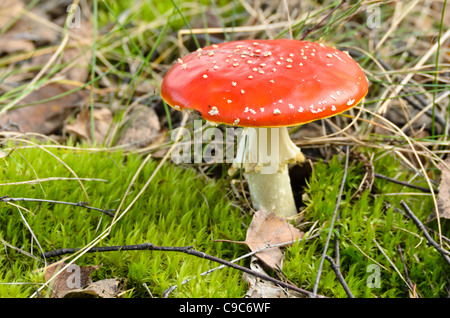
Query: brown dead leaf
x=47 y=116
x=81 y=127
x=443 y=198
x=23 y=31
x=141 y=128
x=105 y=288
x=72 y=278
x=260 y=288
x=269 y=229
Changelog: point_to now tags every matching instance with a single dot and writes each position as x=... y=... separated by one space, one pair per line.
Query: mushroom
x=266 y=86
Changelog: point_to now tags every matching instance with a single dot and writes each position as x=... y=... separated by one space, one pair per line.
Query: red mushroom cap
x=265 y=83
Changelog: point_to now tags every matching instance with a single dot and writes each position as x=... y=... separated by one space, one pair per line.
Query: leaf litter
x=267 y=229
x=443 y=197
x=75 y=281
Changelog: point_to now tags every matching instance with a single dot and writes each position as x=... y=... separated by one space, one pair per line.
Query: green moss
x=179 y=208
x=363 y=223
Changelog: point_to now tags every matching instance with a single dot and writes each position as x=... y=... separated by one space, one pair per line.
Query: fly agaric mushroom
x=266 y=86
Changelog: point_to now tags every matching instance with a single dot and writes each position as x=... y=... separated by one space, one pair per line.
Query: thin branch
x=182 y=249
x=393 y=265
x=336 y=209
x=336 y=270
x=172 y=288
x=405 y=268
x=421 y=227
x=49 y=179
x=406 y=184
x=80 y=204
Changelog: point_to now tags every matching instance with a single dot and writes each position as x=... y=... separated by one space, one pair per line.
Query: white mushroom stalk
x=264 y=154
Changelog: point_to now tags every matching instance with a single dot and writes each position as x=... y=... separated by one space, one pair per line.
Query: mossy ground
x=135 y=44
x=179 y=208
x=365 y=226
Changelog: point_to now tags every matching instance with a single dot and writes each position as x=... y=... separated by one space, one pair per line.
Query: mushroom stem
x=265 y=154
x=272 y=192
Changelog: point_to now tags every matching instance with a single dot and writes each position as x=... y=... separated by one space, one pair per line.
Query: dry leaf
x=22 y=31
x=72 y=278
x=269 y=229
x=260 y=288
x=141 y=128
x=81 y=127
x=45 y=117
x=105 y=288
x=443 y=198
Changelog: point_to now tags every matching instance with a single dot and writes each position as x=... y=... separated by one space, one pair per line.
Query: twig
x=389 y=205
x=406 y=184
x=80 y=204
x=20 y=250
x=49 y=179
x=172 y=288
x=183 y=249
x=421 y=227
x=393 y=265
x=336 y=270
x=338 y=203
x=405 y=268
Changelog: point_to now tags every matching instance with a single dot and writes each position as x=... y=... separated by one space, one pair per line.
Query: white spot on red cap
x=276 y=111
x=214 y=111
x=247 y=109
